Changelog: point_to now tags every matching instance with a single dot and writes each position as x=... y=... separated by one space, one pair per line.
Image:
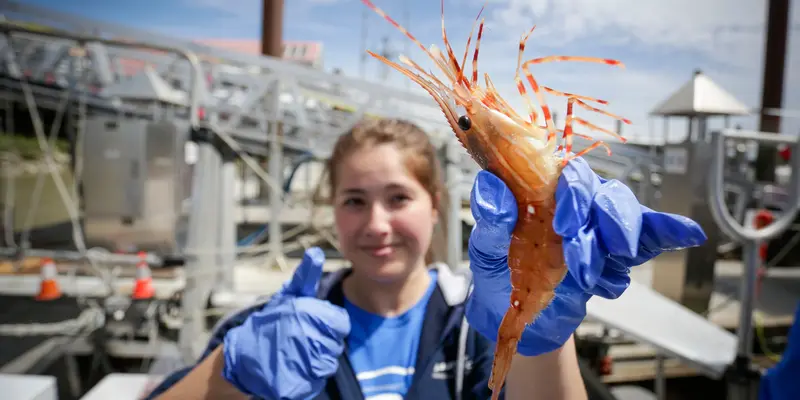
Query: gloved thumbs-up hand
x=290 y=347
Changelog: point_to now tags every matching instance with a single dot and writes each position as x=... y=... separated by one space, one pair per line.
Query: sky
x=661 y=43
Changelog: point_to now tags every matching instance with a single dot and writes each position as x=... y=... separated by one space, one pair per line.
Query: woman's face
x=384 y=216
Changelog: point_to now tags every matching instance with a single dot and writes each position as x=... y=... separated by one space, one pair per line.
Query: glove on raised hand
x=289 y=348
x=605 y=232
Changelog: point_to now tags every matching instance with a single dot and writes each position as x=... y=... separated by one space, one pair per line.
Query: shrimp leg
x=538 y=91
x=567 y=94
x=548 y=116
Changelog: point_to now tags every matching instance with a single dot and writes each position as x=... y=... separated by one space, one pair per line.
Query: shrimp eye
x=464 y=123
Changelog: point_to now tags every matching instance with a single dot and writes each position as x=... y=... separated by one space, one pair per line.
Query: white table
x=122 y=387
x=28 y=387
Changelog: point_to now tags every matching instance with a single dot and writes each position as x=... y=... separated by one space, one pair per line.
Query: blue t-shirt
x=383 y=351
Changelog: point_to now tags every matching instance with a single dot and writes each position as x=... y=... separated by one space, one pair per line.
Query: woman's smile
x=381 y=250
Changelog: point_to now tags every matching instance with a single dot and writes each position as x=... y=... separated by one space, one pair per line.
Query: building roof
x=701 y=96
x=307 y=52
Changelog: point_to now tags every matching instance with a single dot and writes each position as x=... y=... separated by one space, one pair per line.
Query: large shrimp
x=524 y=154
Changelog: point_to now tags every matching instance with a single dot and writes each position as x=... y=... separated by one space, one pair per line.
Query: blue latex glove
x=780 y=381
x=606 y=232
x=288 y=349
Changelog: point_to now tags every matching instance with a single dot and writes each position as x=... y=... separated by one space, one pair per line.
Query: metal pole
x=275 y=201
x=661 y=378
x=274 y=113
x=772 y=81
x=453 y=174
x=747 y=297
x=272 y=28
x=200 y=243
x=227 y=221
x=271 y=45
x=741 y=388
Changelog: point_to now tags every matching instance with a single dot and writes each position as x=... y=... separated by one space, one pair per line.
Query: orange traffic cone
x=48 y=288
x=143 y=288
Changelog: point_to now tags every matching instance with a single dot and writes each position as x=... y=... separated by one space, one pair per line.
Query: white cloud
x=725 y=38
x=680 y=23
x=729 y=32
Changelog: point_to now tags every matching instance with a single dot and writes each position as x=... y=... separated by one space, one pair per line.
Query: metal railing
x=750 y=237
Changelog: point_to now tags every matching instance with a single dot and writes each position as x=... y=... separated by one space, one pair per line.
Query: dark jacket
x=454 y=361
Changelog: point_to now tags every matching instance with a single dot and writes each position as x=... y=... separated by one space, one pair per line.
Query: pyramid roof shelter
x=701 y=96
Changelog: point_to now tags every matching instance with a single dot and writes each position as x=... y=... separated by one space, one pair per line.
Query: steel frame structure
x=254 y=105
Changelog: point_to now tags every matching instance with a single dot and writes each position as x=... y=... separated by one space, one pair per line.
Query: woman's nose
x=378 y=223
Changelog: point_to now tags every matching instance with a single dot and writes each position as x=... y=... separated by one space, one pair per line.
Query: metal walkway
x=319 y=104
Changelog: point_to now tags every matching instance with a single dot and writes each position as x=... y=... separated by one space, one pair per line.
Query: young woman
x=395 y=326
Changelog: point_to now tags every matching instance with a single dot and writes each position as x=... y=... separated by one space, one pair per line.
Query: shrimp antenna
x=408 y=34
x=451 y=55
x=466 y=50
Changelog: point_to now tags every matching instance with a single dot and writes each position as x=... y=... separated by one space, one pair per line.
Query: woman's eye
x=353 y=202
x=400 y=199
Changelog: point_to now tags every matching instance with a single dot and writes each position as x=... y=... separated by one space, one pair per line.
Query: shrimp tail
x=536 y=261
x=509 y=334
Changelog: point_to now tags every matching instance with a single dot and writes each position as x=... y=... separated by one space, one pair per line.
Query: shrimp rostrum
x=522 y=152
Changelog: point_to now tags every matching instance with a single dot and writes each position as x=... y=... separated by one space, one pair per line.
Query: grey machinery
x=742 y=376
x=132 y=182
x=687 y=276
